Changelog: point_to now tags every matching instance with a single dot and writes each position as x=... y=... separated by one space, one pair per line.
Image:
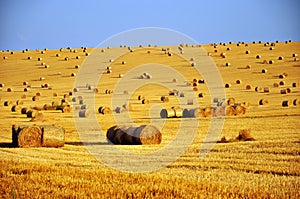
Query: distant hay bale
x=23 y=96
x=16 y=108
x=227 y=64
x=280 y=58
x=275 y=85
x=266 y=89
x=107 y=91
x=265 y=62
x=271 y=48
x=57 y=55
x=248 y=67
x=125 y=92
x=245 y=135
x=174 y=80
x=231 y=101
x=66 y=58
x=190 y=102
x=7 y=103
x=238 y=81
x=29 y=137
x=294 y=55
x=296 y=102
x=227 y=85
x=24 y=110
x=5 y=57
x=31 y=113
x=215 y=50
x=26 y=89
x=295 y=84
x=19 y=102
x=282 y=83
x=230 y=111
x=283 y=91
x=208 y=112
x=9 y=90
x=195 y=84
x=228 y=48
x=264 y=70
x=192 y=59
x=285 y=74
x=193 y=64
x=195 y=88
x=104 y=110
x=123 y=62
x=73 y=74
x=191 y=113
x=288 y=90
x=40 y=59
x=247 y=52
x=55 y=95
x=164 y=99
x=87 y=54
x=145 y=101
x=200 y=95
x=287 y=103
x=258 y=56
x=141 y=97
x=201 y=81
x=271 y=61
x=258 y=89
x=42 y=78
x=25 y=83
x=77 y=66
x=263 y=102
x=121 y=75
x=95 y=90
x=84 y=113
x=219 y=111
x=35 y=98
x=77 y=57
x=1 y=85
x=239 y=109
x=281 y=76
x=29 y=57
x=174 y=92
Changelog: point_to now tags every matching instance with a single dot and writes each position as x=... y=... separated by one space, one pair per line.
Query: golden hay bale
x=228 y=48
x=77 y=66
x=276 y=85
x=240 y=110
x=107 y=91
x=52 y=136
x=141 y=97
x=7 y=103
x=121 y=75
x=296 y=102
x=208 y=112
x=123 y=62
x=57 y=55
x=145 y=101
x=247 y=52
x=263 y=101
x=227 y=64
x=164 y=99
x=271 y=48
x=40 y=59
x=245 y=135
x=258 y=89
x=219 y=111
x=16 y=108
x=193 y=64
x=288 y=90
x=29 y=137
x=266 y=89
x=248 y=66
x=31 y=113
x=42 y=78
x=73 y=74
x=77 y=57
x=230 y=111
x=104 y=110
x=167 y=113
x=248 y=87
x=39 y=117
x=19 y=102
x=35 y=98
x=66 y=58
x=287 y=103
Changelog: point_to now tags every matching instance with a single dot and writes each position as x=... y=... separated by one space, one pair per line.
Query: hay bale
x=52 y=136
x=271 y=61
x=29 y=137
x=77 y=66
x=208 y=112
x=283 y=91
x=167 y=113
x=191 y=113
x=288 y=90
x=230 y=111
x=9 y=90
x=145 y=101
x=227 y=85
x=201 y=81
x=280 y=58
x=57 y=55
x=247 y=52
x=190 y=102
x=282 y=83
x=73 y=74
x=287 y=103
x=266 y=89
x=239 y=109
x=193 y=64
x=123 y=62
x=121 y=75
x=248 y=67
x=23 y=96
x=40 y=59
x=238 y=81
x=24 y=110
x=31 y=113
x=164 y=99
x=219 y=111
x=35 y=98
x=263 y=102
x=248 y=87
x=294 y=55
x=16 y=108
x=245 y=135
x=231 y=101
x=227 y=64
x=143 y=135
x=281 y=76
x=1 y=85
x=275 y=85
x=296 y=102
x=29 y=58
x=200 y=95
x=264 y=70
x=141 y=97
x=258 y=57
x=258 y=89
x=66 y=58
x=84 y=113
x=7 y=103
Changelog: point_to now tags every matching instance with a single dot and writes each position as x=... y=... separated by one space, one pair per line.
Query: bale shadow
x=6 y=145
x=87 y=143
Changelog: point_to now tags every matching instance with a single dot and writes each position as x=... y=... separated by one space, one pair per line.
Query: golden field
x=268 y=167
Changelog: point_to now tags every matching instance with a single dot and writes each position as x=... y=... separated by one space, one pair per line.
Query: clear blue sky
x=53 y=24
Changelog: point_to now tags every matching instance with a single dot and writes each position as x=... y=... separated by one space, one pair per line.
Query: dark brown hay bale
x=258 y=56
x=276 y=85
x=247 y=52
x=271 y=61
x=281 y=76
x=164 y=99
x=195 y=80
x=195 y=84
x=238 y=81
x=7 y=103
x=200 y=95
x=285 y=74
x=24 y=110
x=227 y=85
x=31 y=113
x=281 y=83
x=77 y=57
x=84 y=113
x=52 y=136
x=16 y=108
x=294 y=55
x=248 y=87
x=30 y=137
x=167 y=113
x=283 y=91
x=1 y=85
x=245 y=135
x=95 y=90
x=287 y=103
x=195 y=89
x=264 y=70
x=25 y=83
x=288 y=90
x=55 y=94
x=280 y=58
x=9 y=90
x=26 y=89
x=296 y=102
x=263 y=101
x=266 y=89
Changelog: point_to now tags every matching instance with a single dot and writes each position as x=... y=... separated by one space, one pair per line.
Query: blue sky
x=53 y=24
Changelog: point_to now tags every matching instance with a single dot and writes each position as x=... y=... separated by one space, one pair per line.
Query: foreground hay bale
x=25 y=136
x=142 y=135
x=52 y=136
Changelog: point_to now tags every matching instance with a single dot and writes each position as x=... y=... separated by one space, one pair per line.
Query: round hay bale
x=178 y=112
x=145 y=101
x=228 y=48
x=271 y=61
x=84 y=113
x=276 y=85
x=283 y=91
x=25 y=83
x=238 y=81
x=77 y=66
x=200 y=95
x=87 y=54
x=248 y=67
x=173 y=92
x=219 y=111
x=258 y=89
x=282 y=83
x=193 y=64
x=195 y=80
x=55 y=94
x=164 y=99
x=40 y=59
x=247 y=52
x=230 y=111
x=31 y=113
x=16 y=108
x=25 y=90
x=294 y=55
x=190 y=102
x=121 y=75
x=263 y=102
x=7 y=103
x=208 y=112
x=195 y=89
x=19 y=102
x=75 y=90
x=52 y=136
x=231 y=101
x=296 y=102
x=266 y=89
x=23 y=96
x=73 y=74
x=191 y=113
x=240 y=110
x=174 y=80
x=264 y=70
x=245 y=135
x=123 y=62
x=74 y=99
x=258 y=57
x=227 y=64
x=201 y=81
x=195 y=84
x=29 y=58
x=66 y=58
x=281 y=76
x=47 y=66
x=42 y=78
x=141 y=97
x=119 y=110
x=30 y=137
x=294 y=84
x=9 y=90
x=288 y=90
x=35 y=98
x=125 y=92
x=1 y=85
x=110 y=60
x=57 y=55
x=271 y=48
x=280 y=58
x=24 y=111
x=167 y=113
x=287 y=103
x=227 y=85
x=285 y=74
